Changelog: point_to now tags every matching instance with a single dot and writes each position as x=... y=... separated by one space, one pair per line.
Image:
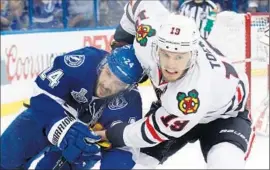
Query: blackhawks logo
x=144 y=31
x=188 y=103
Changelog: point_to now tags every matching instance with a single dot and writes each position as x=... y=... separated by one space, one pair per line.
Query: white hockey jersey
x=211 y=89
x=138 y=10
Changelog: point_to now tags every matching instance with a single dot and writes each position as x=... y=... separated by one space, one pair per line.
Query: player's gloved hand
x=75 y=140
x=116 y=44
x=144 y=79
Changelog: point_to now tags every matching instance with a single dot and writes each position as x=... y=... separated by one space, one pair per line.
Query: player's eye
x=179 y=57
x=120 y=84
x=165 y=54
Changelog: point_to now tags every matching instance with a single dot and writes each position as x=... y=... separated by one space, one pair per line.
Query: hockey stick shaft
x=261 y=109
x=60 y=163
x=249 y=60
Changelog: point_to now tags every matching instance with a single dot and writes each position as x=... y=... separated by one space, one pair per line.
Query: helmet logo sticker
x=128 y=62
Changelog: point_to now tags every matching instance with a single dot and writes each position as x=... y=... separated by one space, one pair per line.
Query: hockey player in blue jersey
x=124 y=108
x=69 y=97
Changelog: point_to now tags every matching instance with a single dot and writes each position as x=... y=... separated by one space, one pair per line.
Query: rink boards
x=25 y=55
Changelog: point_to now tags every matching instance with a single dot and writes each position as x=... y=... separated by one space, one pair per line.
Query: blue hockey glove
x=75 y=140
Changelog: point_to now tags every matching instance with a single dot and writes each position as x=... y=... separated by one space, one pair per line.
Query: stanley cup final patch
x=80 y=96
x=189 y=103
x=74 y=60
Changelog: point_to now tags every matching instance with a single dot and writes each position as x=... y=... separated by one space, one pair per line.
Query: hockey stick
x=261 y=59
x=60 y=162
x=261 y=109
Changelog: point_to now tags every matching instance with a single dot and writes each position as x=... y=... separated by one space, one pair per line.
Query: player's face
x=173 y=64
x=108 y=84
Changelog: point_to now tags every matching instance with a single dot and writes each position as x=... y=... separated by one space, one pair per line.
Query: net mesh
x=237 y=37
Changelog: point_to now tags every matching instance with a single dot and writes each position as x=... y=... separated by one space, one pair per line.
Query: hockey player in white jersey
x=203 y=97
x=126 y=30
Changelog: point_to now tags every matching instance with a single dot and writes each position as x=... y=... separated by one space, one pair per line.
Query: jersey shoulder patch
x=74 y=60
x=188 y=97
x=118 y=102
x=143 y=31
x=184 y=102
x=188 y=103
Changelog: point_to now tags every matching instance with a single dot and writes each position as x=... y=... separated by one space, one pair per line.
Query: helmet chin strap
x=193 y=59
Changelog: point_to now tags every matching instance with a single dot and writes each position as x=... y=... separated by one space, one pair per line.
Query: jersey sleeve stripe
x=241 y=86
x=128 y=15
x=144 y=136
x=152 y=130
x=134 y=8
x=158 y=129
x=211 y=4
x=231 y=106
x=239 y=94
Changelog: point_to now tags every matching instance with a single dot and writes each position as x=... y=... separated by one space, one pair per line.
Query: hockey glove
x=75 y=140
x=116 y=44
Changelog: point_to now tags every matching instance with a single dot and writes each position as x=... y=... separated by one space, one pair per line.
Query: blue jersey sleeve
x=68 y=72
x=126 y=108
x=70 y=80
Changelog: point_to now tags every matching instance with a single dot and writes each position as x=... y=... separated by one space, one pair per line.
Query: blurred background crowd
x=55 y=14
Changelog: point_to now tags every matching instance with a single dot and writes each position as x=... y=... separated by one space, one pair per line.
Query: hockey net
x=237 y=37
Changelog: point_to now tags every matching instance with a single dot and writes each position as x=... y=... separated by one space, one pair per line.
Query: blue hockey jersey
x=68 y=87
x=126 y=108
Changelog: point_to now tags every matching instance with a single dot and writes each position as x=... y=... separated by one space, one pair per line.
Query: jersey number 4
x=53 y=77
